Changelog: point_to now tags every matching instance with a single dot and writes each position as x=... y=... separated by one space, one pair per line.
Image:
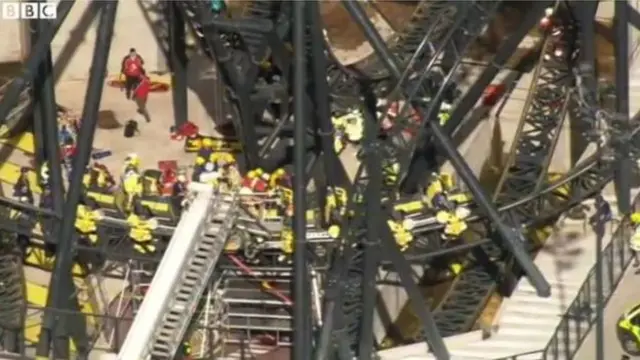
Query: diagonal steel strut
x=509 y=236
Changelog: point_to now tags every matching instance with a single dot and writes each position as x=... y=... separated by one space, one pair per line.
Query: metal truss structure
x=277 y=68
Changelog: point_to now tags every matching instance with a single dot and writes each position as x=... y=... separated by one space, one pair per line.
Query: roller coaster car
x=194 y=144
x=408 y=208
x=157 y=206
x=628 y=331
x=101 y=199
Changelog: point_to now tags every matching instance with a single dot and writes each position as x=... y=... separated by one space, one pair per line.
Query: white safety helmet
x=208 y=166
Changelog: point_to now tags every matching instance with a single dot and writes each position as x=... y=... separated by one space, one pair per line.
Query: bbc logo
x=28 y=10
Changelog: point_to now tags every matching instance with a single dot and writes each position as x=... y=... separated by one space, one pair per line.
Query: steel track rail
x=470 y=21
x=433 y=17
x=525 y=171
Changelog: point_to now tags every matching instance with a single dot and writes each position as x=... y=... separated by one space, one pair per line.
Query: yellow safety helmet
x=207 y=143
x=635 y=217
x=132 y=159
x=252 y=174
x=200 y=160
x=279 y=172
x=334 y=231
x=259 y=171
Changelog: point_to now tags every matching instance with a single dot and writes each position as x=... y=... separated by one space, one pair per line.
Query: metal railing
x=580 y=315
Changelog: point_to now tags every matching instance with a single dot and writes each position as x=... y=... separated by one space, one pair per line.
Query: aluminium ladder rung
x=193 y=281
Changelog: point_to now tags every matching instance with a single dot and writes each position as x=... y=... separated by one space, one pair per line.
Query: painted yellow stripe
x=9 y=173
x=24 y=142
x=37 y=295
x=37 y=258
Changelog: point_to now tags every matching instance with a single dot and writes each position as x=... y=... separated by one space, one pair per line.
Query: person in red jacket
x=140 y=95
x=132 y=69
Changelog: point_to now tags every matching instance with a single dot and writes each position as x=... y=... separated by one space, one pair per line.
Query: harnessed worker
x=132 y=68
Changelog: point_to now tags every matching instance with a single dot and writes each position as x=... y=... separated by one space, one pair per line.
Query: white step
x=528 y=320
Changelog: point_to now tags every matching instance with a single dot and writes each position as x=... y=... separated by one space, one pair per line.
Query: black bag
x=131 y=129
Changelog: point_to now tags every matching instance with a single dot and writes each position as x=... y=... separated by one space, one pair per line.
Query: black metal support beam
x=47 y=108
x=302 y=346
x=178 y=62
x=621 y=46
x=38 y=52
x=333 y=166
x=36 y=91
x=512 y=240
x=55 y=325
x=585 y=13
x=504 y=53
x=374 y=219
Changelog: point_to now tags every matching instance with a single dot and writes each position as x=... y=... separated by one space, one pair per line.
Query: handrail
x=580 y=314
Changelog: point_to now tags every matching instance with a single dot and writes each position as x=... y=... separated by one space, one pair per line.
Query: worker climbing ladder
x=182 y=276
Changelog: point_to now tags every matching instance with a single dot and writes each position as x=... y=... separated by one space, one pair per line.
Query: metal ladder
x=195 y=277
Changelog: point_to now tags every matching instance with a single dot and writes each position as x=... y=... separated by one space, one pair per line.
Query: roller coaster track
x=469 y=21
x=541 y=201
x=18 y=119
x=434 y=18
x=525 y=173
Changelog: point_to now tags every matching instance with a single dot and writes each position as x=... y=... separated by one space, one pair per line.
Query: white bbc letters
x=28 y=10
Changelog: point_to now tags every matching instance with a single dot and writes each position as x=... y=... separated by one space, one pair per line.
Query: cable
x=266 y=286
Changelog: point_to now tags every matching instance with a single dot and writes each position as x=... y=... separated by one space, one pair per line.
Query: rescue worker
x=86 y=224
x=205 y=151
x=198 y=168
x=141 y=94
x=230 y=174
x=132 y=68
x=22 y=188
x=254 y=182
x=634 y=241
x=44 y=175
x=132 y=187
x=209 y=174
x=629 y=330
x=98 y=176
x=444 y=114
x=286 y=244
x=179 y=190
x=280 y=178
x=141 y=233
x=131 y=165
x=336 y=204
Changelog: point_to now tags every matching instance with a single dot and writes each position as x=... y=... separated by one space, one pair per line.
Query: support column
x=623 y=173
x=47 y=116
x=35 y=28
x=302 y=346
x=374 y=219
x=58 y=324
x=178 y=62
